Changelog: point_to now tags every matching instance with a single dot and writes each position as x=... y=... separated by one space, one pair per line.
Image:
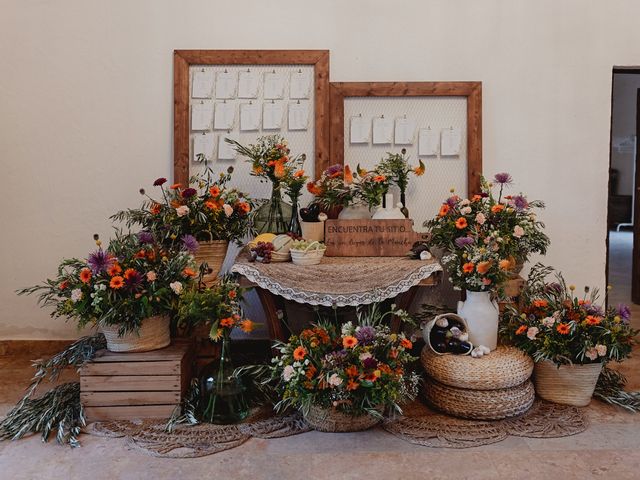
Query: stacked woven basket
x=494 y=387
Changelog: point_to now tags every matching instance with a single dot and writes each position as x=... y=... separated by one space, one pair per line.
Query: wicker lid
x=503 y=368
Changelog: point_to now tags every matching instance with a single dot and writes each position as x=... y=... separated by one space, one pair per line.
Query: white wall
x=623 y=127
x=86 y=105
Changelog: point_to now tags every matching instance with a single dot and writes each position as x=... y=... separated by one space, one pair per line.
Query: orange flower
x=299 y=174
x=175 y=186
x=393 y=353
x=379 y=178
x=212 y=205
x=476 y=198
x=522 y=329
x=247 y=326
x=486 y=281
x=352 y=385
x=468 y=267
x=189 y=272
x=348 y=176
x=85 y=275
x=233 y=294
x=444 y=209
x=214 y=191
x=176 y=203
x=129 y=272
x=351 y=371
x=461 y=223
x=311 y=371
x=63 y=285
x=406 y=343
x=314 y=189
x=140 y=254
x=244 y=207
x=539 y=303
x=483 y=267
x=279 y=169
x=114 y=269
x=257 y=170
x=151 y=255
x=384 y=368
x=419 y=170
x=371 y=377
x=116 y=282
x=226 y=322
x=504 y=265
x=156 y=208
x=497 y=208
x=592 y=320
x=299 y=353
x=562 y=328
x=349 y=341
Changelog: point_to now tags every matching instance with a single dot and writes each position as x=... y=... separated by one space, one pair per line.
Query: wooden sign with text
x=369 y=238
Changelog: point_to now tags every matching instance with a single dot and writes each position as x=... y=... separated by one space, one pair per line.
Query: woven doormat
x=419 y=426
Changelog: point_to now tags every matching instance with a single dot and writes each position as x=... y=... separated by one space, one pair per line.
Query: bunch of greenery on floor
x=610 y=389
x=59 y=409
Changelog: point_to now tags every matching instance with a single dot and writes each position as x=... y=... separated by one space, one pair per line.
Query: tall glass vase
x=222 y=394
x=270 y=218
x=294 y=224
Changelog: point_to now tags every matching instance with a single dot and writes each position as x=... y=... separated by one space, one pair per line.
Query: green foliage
x=395 y=166
x=610 y=389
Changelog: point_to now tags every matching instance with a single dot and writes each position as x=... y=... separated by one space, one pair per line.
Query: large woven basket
x=153 y=334
x=332 y=420
x=569 y=384
x=505 y=367
x=212 y=254
x=480 y=404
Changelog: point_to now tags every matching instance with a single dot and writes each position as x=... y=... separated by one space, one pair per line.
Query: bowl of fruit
x=304 y=252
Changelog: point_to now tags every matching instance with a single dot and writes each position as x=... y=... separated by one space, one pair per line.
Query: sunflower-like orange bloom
x=156 y=208
x=483 y=267
x=299 y=174
x=540 y=303
x=504 y=265
x=349 y=341
x=352 y=385
x=212 y=205
x=279 y=170
x=461 y=223
x=243 y=207
x=299 y=353
x=226 y=322
x=116 y=282
x=563 y=328
x=592 y=320
x=314 y=189
x=232 y=294
x=351 y=371
x=175 y=186
x=214 y=191
x=348 y=176
x=476 y=198
x=114 y=269
x=522 y=329
x=189 y=272
x=247 y=326
x=85 y=275
x=129 y=272
x=406 y=343
x=497 y=208
x=468 y=267
x=444 y=209
x=379 y=178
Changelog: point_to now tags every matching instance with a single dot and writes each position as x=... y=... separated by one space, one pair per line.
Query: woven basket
x=213 y=254
x=480 y=404
x=312 y=231
x=569 y=384
x=152 y=335
x=332 y=420
x=505 y=367
x=312 y=255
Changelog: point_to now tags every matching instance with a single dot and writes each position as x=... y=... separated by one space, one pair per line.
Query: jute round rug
x=419 y=426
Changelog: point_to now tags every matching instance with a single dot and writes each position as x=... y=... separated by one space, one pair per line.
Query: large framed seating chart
x=243 y=95
x=439 y=123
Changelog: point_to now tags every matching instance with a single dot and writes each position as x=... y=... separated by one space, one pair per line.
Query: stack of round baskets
x=493 y=387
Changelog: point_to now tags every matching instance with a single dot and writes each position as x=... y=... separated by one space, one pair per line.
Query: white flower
x=335 y=380
x=76 y=295
x=601 y=349
x=151 y=276
x=176 y=287
x=518 y=231
x=346 y=328
x=532 y=332
x=182 y=210
x=465 y=210
x=288 y=373
x=464 y=202
x=480 y=218
x=228 y=209
x=591 y=354
x=548 y=321
x=364 y=356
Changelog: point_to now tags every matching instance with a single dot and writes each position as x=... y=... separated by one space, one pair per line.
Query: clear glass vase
x=222 y=394
x=270 y=217
x=294 y=224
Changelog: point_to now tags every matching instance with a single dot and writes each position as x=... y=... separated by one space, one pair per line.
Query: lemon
x=263 y=237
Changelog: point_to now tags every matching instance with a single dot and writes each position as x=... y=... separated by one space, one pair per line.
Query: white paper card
x=427 y=142
x=404 y=131
x=272 y=114
x=298 y=116
x=226 y=151
x=382 y=130
x=273 y=86
x=249 y=116
x=359 y=130
x=203 y=146
x=450 y=142
x=224 y=116
x=201 y=116
x=299 y=85
x=202 y=84
x=225 y=85
x=248 y=85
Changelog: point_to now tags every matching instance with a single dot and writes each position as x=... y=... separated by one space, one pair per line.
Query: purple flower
x=453 y=200
x=190 y=243
x=553 y=287
x=99 y=261
x=159 y=182
x=624 y=311
x=520 y=202
x=502 y=178
x=145 y=237
x=133 y=281
x=595 y=310
x=366 y=335
x=462 y=242
x=333 y=169
x=370 y=363
x=188 y=192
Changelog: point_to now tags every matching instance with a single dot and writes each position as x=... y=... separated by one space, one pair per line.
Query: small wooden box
x=124 y=386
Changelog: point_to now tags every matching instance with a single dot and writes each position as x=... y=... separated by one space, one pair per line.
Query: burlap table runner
x=339 y=281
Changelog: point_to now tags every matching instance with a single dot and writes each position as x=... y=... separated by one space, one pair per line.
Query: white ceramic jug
x=389 y=212
x=481 y=314
x=355 y=212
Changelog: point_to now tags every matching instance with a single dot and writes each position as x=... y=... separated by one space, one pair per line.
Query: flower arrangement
x=204 y=210
x=217 y=306
x=134 y=278
x=395 y=166
x=555 y=324
x=356 y=368
x=334 y=188
x=486 y=236
x=370 y=186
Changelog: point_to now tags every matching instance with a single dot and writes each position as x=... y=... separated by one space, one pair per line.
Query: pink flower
x=548 y=321
x=151 y=276
x=601 y=349
x=480 y=218
x=532 y=332
x=591 y=353
x=465 y=210
x=518 y=231
x=182 y=210
x=228 y=209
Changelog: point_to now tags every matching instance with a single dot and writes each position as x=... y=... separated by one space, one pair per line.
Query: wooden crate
x=124 y=386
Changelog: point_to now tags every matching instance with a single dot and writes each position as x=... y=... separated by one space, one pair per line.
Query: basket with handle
x=211 y=255
x=310 y=255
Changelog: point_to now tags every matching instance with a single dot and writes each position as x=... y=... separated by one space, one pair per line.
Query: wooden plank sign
x=369 y=238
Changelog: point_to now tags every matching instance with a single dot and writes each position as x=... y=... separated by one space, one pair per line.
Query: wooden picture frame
x=183 y=59
x=471 y=90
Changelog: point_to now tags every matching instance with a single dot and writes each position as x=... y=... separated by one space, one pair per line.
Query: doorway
x=623 y=218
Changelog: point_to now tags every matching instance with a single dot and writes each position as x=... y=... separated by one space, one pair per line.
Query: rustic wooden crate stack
x=124 y=386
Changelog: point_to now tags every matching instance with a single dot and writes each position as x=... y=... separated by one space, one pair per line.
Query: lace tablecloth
x=340 y=281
